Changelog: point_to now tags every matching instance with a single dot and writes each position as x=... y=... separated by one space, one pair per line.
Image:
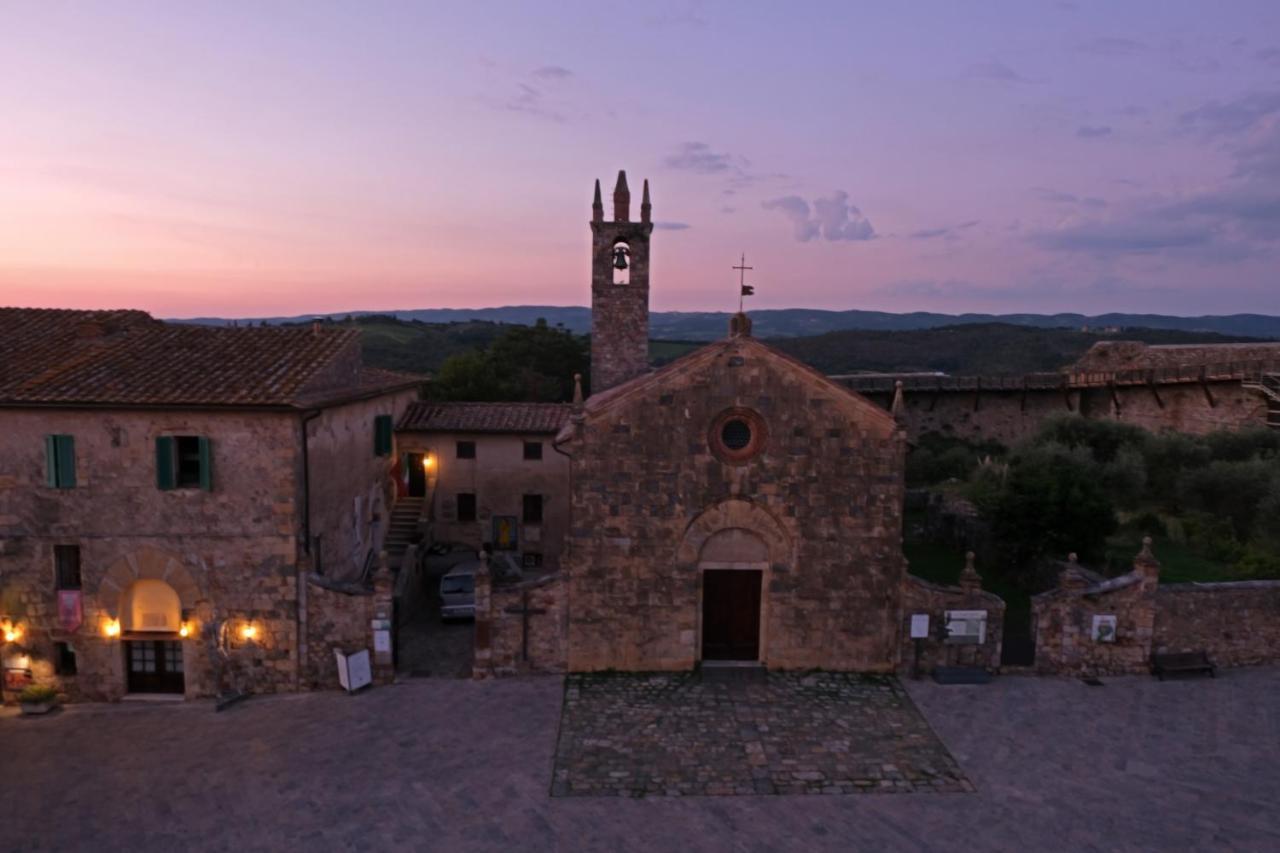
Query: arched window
x=620 y=260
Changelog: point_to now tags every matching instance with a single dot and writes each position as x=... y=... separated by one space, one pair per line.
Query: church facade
x=734 y=507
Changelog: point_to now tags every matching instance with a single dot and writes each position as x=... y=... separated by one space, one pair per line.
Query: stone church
x=733 y=506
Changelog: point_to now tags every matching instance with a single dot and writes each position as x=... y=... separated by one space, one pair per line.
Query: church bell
x=620 y=258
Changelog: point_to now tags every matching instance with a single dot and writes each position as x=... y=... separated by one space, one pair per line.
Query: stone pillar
x=482 y=650
x=970 y=580
x=383 y=619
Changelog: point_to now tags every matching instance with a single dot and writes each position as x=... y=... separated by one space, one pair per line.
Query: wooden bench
x=1181 y=663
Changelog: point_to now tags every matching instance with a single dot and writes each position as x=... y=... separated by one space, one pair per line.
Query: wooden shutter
x=51 y=460
x=206 y=464
x=164 y=462
x=65 y=461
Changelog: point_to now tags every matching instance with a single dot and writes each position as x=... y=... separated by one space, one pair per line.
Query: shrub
x=1125 y=477
x=1258 y=563
x=1230 y=489
x=36 y=693
x=1104 y=439
x=1212 y=536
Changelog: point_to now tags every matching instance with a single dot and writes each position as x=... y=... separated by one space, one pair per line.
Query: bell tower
x=619 y=289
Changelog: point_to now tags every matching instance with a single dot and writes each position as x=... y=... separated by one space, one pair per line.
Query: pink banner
x=70 y=609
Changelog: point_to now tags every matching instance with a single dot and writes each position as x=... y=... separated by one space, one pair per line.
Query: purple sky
x=244 y=159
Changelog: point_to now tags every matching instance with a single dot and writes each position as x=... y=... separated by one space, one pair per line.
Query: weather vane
x=744 y=289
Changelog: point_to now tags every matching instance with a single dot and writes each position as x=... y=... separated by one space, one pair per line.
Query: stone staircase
x=401 y=528
x=1269 y=385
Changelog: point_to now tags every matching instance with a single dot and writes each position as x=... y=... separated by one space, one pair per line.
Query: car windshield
x=453 y=584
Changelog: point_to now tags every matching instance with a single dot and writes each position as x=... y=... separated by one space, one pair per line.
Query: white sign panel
x=1104 y=629
x=382 y=641
x=354 y=671
x=966 y=626
x=919 y=626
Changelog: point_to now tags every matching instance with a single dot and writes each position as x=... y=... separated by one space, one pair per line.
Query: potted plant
x=38 y=699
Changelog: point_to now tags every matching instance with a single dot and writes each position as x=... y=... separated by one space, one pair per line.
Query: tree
x=1052 y=503
x=523 y=364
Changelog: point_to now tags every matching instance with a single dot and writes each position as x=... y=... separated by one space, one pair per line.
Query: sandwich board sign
x=353 y=669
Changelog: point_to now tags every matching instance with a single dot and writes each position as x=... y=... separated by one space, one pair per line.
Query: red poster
x=70 y=609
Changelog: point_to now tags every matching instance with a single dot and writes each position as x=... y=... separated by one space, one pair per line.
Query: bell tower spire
x=619 y=289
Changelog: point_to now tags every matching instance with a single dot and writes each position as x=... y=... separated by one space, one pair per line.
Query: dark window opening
x=533 y=450
x=60 y=461
x=466 y=507
x=66 y=563
x=466 y=450
x=382 y=440
x=530 y=560
x=187 y=449
x=736 y=434
x=533 y=509
x=64 y=659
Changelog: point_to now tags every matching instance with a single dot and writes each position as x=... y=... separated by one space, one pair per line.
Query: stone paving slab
x=457 y=765
x=674 y=734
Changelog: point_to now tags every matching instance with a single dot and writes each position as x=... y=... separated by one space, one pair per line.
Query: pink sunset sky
x=249 y=159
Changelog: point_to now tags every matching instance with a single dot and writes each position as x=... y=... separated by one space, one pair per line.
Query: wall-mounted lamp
x=111 y=628
x=184 y=630
x=428 y=462
x=248 y=633
x=11 y=633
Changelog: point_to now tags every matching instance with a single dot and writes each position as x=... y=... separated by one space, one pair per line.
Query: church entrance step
x=732 y=671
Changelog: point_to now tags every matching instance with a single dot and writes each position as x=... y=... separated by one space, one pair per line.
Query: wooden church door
x=731 y=614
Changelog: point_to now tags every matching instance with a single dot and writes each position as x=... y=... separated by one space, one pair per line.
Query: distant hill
x=988 y=349
x=800 y=322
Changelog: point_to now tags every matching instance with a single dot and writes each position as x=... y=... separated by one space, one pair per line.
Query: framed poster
x=504 y=533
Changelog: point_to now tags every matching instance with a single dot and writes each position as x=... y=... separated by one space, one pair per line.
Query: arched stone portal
x=150 y=593
x=734 y=546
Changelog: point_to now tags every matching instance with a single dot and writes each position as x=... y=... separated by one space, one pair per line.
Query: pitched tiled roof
x=52 y=356
x=486 y=417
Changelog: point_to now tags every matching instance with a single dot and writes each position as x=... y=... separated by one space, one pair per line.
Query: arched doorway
x=731 y=565
x=150 y=623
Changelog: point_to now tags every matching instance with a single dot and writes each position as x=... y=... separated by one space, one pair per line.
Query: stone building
x=166 y=489
x=490 y=475
x=734 y=506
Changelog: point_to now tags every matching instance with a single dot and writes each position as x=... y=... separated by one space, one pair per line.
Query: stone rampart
x=1238 y=623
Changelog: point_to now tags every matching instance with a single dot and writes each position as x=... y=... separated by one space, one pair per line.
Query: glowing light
x=184 y=630
x=111 y=628
x=12 y=633
x=428 y=462
x=248 y=632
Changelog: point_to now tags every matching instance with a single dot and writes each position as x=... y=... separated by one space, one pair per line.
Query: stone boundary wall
x=976 y=411
x=1238 y=623
x=499 y=642
x=340 y=616
x=921 y=596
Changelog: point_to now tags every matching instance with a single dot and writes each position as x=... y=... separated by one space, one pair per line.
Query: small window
x=64 y=659
x=184 y=462
x=60 y=461
x=530 y=560
x=382 y=430
x=532 y=450
x=533 y=509
x=467 y=506
x=66 y=564
x=466 y=450
x=736 y=434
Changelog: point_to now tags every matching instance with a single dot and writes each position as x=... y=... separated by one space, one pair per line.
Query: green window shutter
x=51 y=460
x=382 y=435
x=206 y=464
x=164 y=462
x=66 y=461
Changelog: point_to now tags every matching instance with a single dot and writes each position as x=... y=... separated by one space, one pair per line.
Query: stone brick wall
x=823 y=502
x=338 y=617
x=922 y=597
x=1238 y=623
x=619 y=312
x=1063 y=619
x=230 y=551
x=503 y=651
x=1010 y=416
x=351 y=487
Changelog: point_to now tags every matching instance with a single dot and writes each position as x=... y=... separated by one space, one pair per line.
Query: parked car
x=458 y=591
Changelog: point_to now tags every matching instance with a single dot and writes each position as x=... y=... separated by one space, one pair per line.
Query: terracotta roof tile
x=53 y=356
x=486 y=417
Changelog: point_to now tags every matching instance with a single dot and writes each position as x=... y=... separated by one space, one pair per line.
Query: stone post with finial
x=970 y=580
x=482 y=647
